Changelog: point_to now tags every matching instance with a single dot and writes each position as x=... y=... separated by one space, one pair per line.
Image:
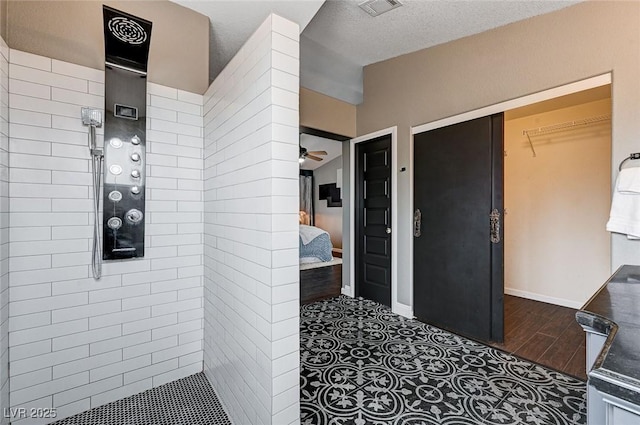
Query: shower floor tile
x=361 y=364
x=187 y=401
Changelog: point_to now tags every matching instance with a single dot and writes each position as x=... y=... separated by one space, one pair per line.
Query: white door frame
x=393 y=131
x=586 y=84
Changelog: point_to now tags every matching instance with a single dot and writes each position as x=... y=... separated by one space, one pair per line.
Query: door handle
x=388 y=230
x=417 y=223
x=494 y=223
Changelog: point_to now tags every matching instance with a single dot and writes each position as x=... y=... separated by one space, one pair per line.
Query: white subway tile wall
x=74 y=342
x=4 y=228
x=251 y=329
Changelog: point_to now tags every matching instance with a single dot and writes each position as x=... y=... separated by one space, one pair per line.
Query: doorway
x=557 y=197
x=565 y=136
x=373 y=220
x=373 y=241
x=321 y=224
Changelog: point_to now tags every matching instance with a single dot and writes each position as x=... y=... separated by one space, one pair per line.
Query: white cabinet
x=602 y=408
x=620 y=412
x=596 y=409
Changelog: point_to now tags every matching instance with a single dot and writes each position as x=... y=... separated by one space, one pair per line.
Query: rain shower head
x=127 y=30
x=127 y=39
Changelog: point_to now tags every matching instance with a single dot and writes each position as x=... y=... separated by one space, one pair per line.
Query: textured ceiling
x=341 y=26
x=233 y=22
x=341 y=38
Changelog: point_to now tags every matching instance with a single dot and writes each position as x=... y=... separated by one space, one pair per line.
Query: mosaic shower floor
x=363 y=365
x=187 y=401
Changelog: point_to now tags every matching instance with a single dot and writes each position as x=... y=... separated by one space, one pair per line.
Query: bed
x=320 y=273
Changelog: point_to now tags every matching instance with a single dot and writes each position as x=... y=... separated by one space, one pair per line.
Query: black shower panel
x=126 y=48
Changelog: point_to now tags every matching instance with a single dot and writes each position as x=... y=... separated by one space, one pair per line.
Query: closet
x=557 y=185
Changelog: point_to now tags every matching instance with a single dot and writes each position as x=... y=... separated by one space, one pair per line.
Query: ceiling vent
x=378 y=7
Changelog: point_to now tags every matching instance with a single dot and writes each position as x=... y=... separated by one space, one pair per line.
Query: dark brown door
x=373 y=220
x=457 y=268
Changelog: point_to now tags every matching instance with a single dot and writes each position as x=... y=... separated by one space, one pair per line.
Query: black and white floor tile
x=363 y=365
x=187 y=401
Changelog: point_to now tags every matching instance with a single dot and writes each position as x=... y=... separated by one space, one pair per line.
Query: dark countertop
x=614 y=311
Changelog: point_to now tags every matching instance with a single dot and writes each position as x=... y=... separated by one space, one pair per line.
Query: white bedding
x=316 y=264
x=309 y=233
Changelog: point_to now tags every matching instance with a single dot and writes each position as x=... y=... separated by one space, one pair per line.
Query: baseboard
x=403 y=310
x=543 y=298
x=348 y=291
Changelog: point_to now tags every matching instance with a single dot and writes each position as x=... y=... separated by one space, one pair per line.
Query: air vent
x=378 y=7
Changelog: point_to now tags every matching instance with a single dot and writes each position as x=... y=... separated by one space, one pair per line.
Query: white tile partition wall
x=76 y=343
x=4 y=228
x=251 y=229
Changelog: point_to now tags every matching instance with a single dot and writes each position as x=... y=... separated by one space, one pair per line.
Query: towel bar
x=630 y=157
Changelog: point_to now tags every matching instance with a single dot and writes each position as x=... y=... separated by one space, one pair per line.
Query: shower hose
x=96 y=170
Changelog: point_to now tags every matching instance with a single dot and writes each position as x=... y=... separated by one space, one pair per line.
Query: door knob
x=388 y=230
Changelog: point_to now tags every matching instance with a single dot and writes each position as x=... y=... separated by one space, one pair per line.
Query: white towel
x=625 y=206
x=309 y=233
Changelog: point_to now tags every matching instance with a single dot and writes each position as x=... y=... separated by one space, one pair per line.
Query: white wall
x=76 y=343
x=328 y=218
x=556 y=247
x=4 y=228
x=251 y=331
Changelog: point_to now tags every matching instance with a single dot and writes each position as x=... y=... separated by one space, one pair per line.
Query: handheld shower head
x=91 y=117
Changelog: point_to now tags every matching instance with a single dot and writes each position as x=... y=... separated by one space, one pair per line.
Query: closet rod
x=565 y=125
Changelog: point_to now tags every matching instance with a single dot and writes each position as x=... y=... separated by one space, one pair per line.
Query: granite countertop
x=614 y=311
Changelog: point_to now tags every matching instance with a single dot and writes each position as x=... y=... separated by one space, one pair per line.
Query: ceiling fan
x=304 y=154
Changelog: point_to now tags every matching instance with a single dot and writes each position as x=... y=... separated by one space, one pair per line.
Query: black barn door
x=458 y=257
x=373 y=220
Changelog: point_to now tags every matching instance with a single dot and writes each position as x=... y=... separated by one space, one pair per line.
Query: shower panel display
x=127 y=41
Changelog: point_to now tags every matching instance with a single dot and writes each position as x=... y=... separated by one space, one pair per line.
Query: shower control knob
x=135 y=174
x=135 y=140
x=135 y=157
x=135 y=190
x=133 y=216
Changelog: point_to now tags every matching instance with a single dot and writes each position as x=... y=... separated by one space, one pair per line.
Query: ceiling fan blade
x=318 y=152
x=315 y=158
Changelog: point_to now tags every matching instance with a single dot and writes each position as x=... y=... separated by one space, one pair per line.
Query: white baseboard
x=544 y=298
x=348 y=291
x=403 y=310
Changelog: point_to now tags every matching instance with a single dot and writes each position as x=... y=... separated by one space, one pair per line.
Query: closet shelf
x=565 y=125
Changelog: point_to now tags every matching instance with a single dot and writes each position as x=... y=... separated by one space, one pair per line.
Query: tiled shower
x=217 y=289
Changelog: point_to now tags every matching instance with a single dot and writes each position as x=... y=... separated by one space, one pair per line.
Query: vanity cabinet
x=611 y=320
x=596 y=409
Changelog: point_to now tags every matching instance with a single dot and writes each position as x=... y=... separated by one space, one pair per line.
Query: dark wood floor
x=544 y=333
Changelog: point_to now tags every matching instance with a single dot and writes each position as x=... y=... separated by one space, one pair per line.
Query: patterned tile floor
x=187 y=401
x=363 y=365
